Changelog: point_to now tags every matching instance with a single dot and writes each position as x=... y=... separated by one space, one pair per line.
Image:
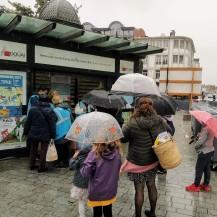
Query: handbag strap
x=149 y=132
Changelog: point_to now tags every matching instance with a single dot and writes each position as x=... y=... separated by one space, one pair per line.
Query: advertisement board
x=57 y=57
x=13 y=51
x=12 y=98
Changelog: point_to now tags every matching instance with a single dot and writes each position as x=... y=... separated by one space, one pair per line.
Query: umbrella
x=201 y=116
x=212 y=126
x=135 y=84
x=94 y=127
x=163 y=105
x=104 y=99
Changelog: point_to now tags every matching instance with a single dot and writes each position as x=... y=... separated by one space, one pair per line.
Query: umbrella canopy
x=162 y=105
x=135 y=84
x=212 y=126
x=94 y=127
x=104 y=99
x=201 y=116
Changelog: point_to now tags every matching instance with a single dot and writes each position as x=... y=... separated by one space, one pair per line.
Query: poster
x=12 y=98
x=12 y=93
x=11 y=130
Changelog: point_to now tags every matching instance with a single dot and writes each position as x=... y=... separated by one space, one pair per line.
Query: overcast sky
x=193 y=18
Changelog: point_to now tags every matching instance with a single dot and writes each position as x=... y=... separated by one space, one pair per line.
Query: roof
x=60 y=10
x=37 y=28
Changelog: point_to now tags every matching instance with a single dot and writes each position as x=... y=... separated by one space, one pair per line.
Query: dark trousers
x=99 y=211
x=34 y=151
x=63 y=151
x=203 y=167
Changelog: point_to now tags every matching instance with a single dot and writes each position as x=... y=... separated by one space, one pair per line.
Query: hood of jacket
x=147 y=122
x=109 y=155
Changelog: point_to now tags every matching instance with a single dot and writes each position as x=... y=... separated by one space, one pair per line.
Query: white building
x=176 y=70
x=117 y=29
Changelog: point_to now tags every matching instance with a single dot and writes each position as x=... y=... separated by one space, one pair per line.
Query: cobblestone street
x=28 y=194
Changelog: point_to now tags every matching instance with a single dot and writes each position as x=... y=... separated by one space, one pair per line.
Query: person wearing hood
x=40 y=129
x=80 y=184
x=63 y=124
x=205 y=149
x=142 y=163
x=102 y=167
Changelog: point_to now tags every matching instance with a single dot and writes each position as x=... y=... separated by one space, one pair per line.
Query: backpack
x=63 y=123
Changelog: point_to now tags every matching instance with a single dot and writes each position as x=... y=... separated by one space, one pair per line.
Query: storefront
x=36 y=53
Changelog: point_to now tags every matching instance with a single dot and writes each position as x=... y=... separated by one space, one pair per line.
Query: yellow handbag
x=167 y=152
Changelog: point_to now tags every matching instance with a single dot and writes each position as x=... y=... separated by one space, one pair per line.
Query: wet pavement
x=24 y=193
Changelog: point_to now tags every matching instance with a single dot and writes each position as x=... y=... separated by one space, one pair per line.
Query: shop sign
x=13 y=51
x=57 y=57
x=126 y=67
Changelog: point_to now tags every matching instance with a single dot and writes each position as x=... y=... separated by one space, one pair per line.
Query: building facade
x=176 y=70
x=116 y=29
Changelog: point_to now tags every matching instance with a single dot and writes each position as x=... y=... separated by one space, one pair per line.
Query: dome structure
x=60 y=11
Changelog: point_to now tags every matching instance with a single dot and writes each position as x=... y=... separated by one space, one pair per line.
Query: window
x=158 y=43
x=181 y=59
x=176 y=43
x=158 y=60
x=165 y=60
x=145 y=72
x=182 y=44
x=175 y=58
x=186 y=45
x=166 y=44
x=145 y=61
x=157 y=74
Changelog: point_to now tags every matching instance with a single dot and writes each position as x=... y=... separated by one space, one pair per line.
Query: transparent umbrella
x=135 y=84
x=94 y=127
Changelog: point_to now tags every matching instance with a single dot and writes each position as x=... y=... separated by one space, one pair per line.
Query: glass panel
x=31 y=25
x=88 y=36
x=150 y=49
x=112 y=41
x=5 y=19
x=62 y=31
x=132 y=45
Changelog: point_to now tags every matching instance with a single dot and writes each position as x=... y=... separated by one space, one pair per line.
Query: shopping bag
x=51 y=152
x=167 y=151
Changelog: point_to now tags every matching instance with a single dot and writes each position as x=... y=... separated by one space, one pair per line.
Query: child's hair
x=100 y=148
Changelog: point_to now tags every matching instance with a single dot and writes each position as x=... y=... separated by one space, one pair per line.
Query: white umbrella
x=94 y=127
x=135 y=84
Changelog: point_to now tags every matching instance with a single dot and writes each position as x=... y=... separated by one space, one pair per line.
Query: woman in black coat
x=40 y=128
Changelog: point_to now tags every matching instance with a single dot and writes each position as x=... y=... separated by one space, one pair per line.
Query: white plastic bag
x=51 y=152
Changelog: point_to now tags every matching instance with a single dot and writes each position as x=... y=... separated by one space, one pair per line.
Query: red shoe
x=206 y=188
x=193 y=188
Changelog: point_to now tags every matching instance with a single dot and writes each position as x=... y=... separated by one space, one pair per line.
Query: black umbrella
x=163 y=105
x=104 y=99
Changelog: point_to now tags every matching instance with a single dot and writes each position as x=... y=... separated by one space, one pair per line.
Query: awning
x=38 y=28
